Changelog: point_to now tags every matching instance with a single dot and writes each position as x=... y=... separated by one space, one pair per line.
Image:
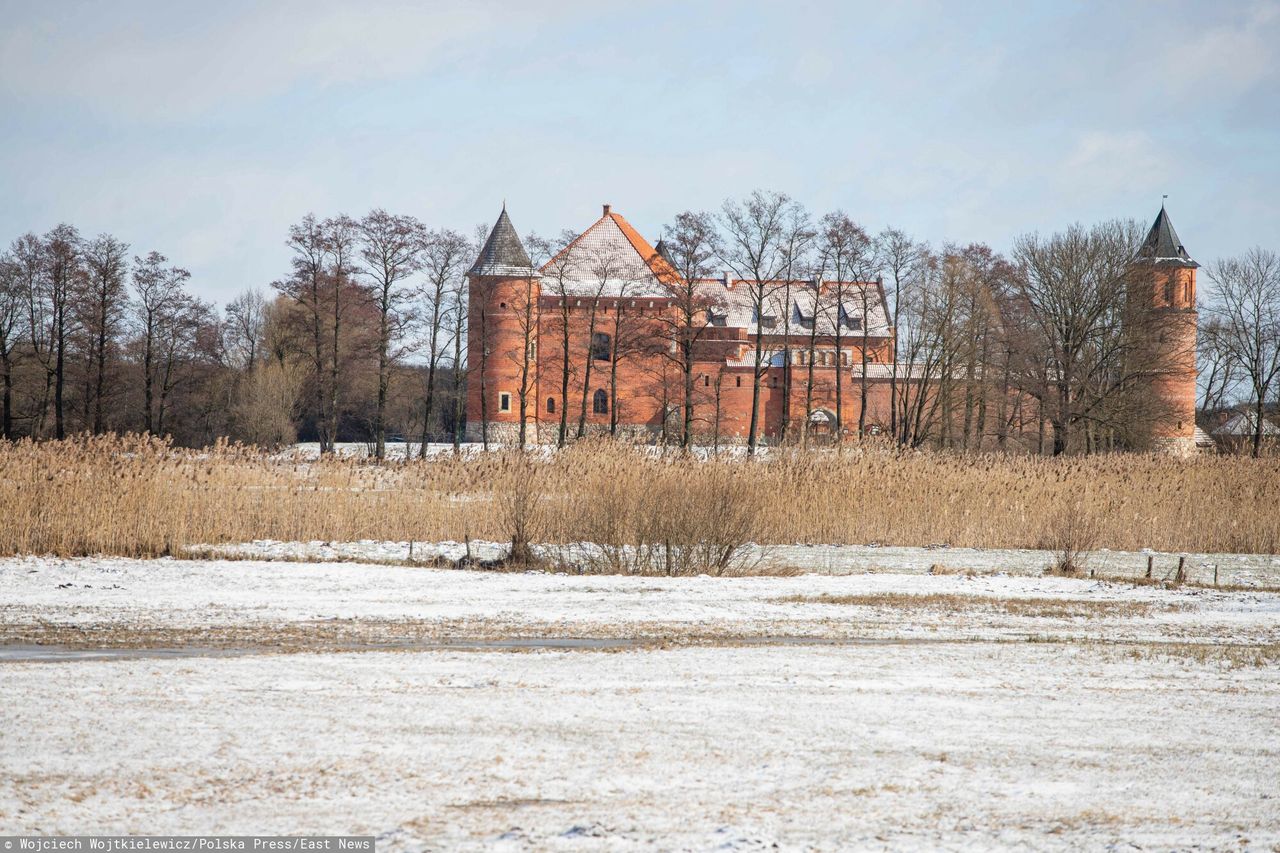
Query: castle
x=588 y=342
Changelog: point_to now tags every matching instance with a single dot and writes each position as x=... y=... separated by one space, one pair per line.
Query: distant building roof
x=1242 y=424
x=503 y=253
x=1162 y=245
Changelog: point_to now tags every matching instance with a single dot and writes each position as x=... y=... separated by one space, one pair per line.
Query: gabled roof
x=1162 y=245
x=612 y=250
x=1245 y=423
x=503 y=253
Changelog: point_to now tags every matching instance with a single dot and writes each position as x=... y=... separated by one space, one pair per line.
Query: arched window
x=551 y=405
x=600 y=402
x=600 y=346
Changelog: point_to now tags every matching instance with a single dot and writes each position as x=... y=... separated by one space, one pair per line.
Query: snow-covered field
x=846 y=711
x=1229 y=569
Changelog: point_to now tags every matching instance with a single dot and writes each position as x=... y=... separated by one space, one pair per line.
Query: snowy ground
x=835 y=712
x=1231 y=569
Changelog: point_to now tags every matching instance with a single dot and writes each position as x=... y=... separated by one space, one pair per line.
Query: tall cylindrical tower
x=1165 y=284
x=502 y=327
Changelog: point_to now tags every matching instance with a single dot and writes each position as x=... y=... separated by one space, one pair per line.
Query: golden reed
x=137 y=496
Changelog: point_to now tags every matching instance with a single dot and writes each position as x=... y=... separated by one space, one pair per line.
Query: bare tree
x=845 y=251
x=809 y=305
x=445 y=255
x=557 y=277
x=63 y=269
x=604 y=267
x=11 y=304
x=390 y=248
x=339 y=236
x=103 y=309
x=798 y=240
x=1246 y=302
x=459 y=315
x=177 y=338
x=244 y=329
x=1074 y=287
x=754 y=247
x=927 y=339
x=690 y=244
x=902 y=258
x=1216 y=369
x=160 y=312
x=306 y=286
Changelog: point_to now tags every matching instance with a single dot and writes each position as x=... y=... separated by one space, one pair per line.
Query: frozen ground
x=905 y=711
x=1231 y=569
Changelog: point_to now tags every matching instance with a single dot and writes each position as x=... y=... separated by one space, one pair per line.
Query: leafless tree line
x=363 y=337
x=1043 y=350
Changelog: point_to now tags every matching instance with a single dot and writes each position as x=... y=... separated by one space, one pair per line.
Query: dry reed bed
x=133 y=496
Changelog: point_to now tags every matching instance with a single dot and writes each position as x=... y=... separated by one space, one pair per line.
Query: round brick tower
x=1166 y=285
x=503 y=290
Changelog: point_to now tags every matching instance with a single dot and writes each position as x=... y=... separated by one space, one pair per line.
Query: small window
x=600 y=402
x=504 y=402
x=706 y=381
x=737 y=381
x=502 y=305
x=601 y=344
x=551 y=405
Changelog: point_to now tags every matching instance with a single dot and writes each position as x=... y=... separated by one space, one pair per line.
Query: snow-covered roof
x=1162 y=245
x=795 y=307
x=609 y=259
x=503 y=253
x=1243 y=423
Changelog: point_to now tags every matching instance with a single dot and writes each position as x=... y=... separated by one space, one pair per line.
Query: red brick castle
x=598 y=320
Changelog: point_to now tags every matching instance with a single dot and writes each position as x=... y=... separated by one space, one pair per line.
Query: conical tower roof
x=503 y=253
x=1162 y=245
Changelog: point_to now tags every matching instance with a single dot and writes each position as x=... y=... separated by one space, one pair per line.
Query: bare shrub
x=518 y=495
x=263 y=410
x=685 y=518
x=1072 y=536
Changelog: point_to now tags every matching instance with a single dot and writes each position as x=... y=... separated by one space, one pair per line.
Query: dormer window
x=849 y=321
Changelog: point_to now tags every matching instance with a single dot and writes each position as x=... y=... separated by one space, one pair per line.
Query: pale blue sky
x=204 y=129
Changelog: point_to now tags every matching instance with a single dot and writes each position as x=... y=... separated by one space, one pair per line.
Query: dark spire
x=1162 y=245
x=503 y=253
x=664 y=251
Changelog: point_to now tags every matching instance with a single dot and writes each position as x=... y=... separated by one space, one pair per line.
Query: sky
x=203 y=130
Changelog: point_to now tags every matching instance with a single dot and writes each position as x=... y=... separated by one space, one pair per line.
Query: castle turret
x=503 y=291
x=1165 y=286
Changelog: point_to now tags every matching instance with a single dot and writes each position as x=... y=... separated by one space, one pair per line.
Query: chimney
x=606 y=210
x=728 y=278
